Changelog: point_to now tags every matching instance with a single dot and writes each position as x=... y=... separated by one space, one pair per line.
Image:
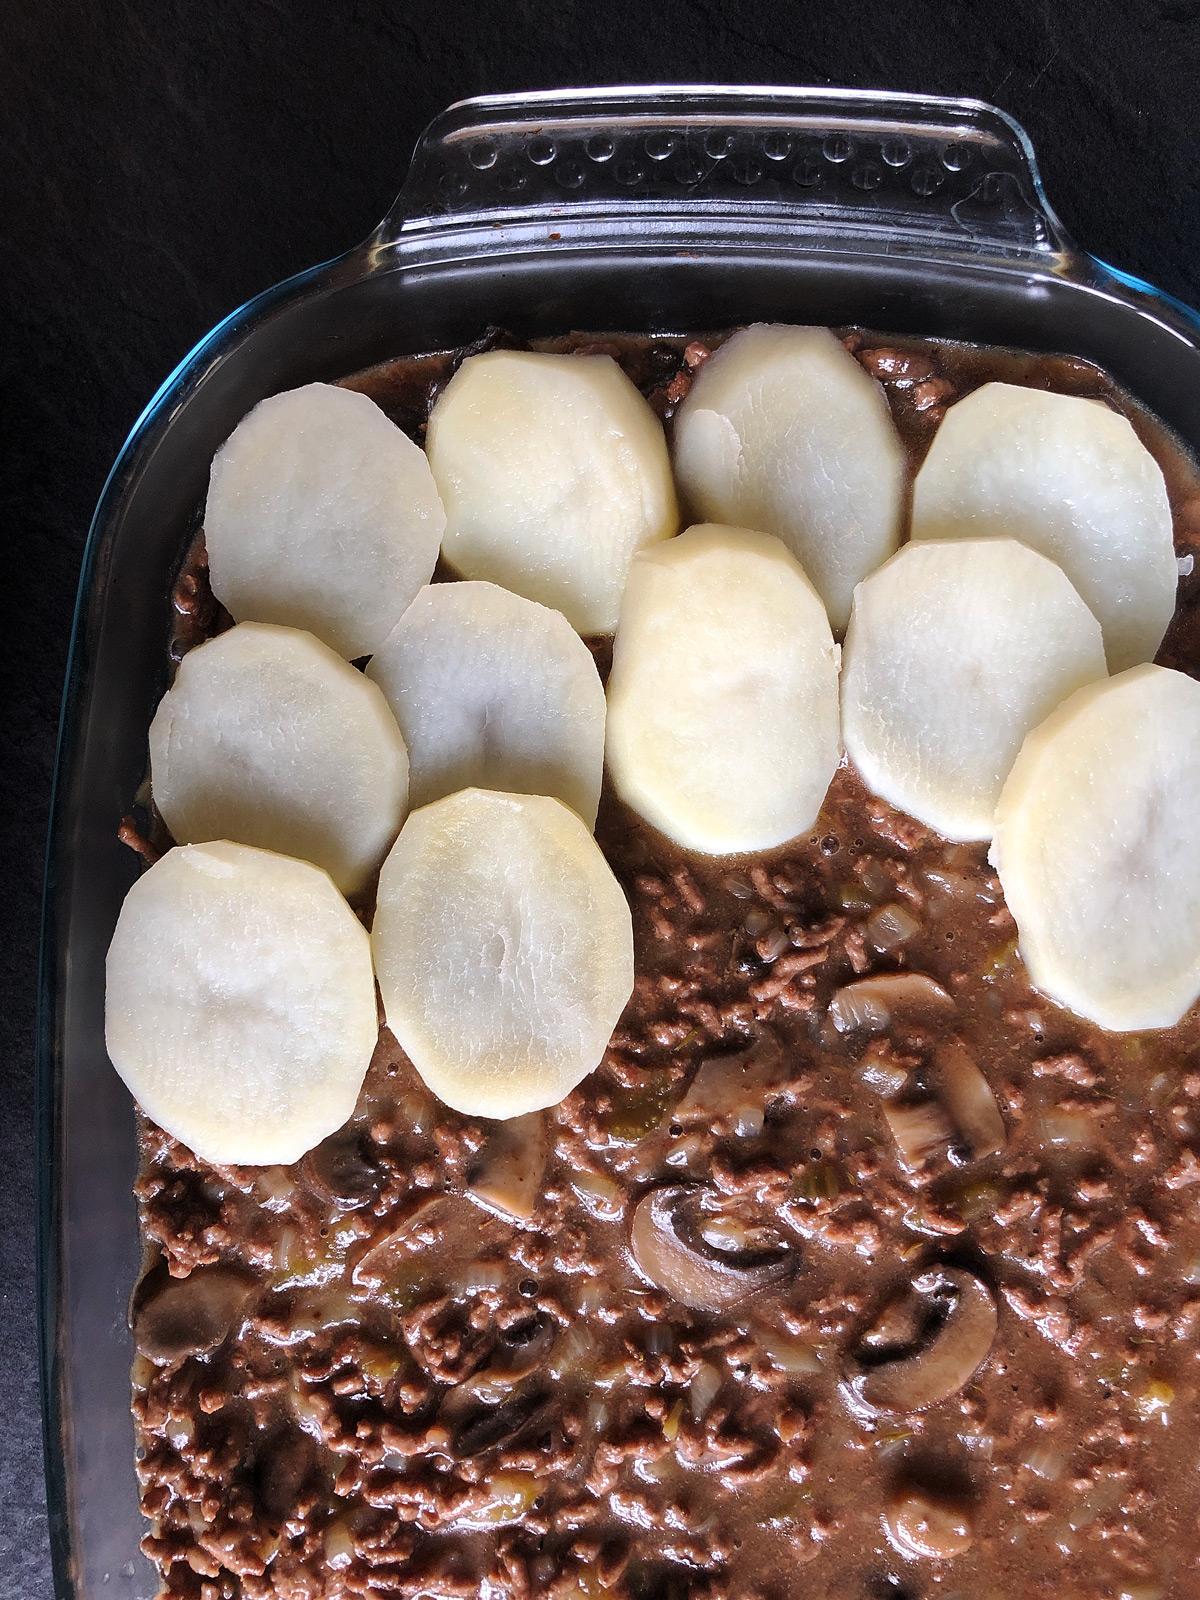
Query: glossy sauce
x=362 y=1376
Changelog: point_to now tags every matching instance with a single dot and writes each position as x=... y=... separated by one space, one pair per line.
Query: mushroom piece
x=340 y=1170
x=947 y=1363
x=671 y=1251
x=728 y=1085
x=921 y=1524
x=508 y=1178
x=919 y=1129
x=178 y=1317
x=519 y=1351
x=445 y=1220
x=968 y=1098
x=897 y=1326
x=525 y=1413
x=283 y=1463
x=875 y=1003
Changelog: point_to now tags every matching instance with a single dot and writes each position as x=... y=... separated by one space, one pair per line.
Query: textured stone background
x=163 y=160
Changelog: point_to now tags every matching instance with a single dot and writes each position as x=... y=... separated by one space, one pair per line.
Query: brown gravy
x=355 y=1379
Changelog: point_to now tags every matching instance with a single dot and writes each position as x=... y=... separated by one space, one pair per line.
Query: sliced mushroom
x=445 y=1220
x=919 y=1128
x=875 y=1003
x=518 y=1353
x=921 y=1524
x=671 y=1251
x=968 y=1098
x=947 y=1363
x=508 y=1178
x=340 y=1170
x=524 y=1414
x=728 y=1085
x=179 y=1317
x=283 y=1464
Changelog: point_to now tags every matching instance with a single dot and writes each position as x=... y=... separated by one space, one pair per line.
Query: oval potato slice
x=1071 y=479
x=240 y=1002
x=723 y=695
x=553 y=471
x=1095 y=846
x=955 y=650
x=269 y=738
x=782 y=430
x=504 y=950
x=321 y=515
x=494 y=692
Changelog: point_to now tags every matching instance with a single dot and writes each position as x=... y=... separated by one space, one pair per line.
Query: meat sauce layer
x=422 y=1362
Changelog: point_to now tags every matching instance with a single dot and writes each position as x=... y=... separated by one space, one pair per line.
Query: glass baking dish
x=649 y=210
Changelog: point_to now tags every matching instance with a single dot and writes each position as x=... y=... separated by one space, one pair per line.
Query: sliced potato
x=723 y=698
x=1096 y=849
x=269 y=738
x=495 y=692
x=504 y=950
x=321 y=515
x=1070 y=478
x=553 y=471
x=955 y=650
x=784 y=431
x=240 y=1003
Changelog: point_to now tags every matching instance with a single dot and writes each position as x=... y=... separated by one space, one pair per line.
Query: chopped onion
x=339 y=1546
x=891 y=926
x=1067 y=1127
x=703 y=1390
x=748 y=1122
x=602 y=1197
x=484 y=1275
x=576 y=1350
x=789 y=1355
x=1044 y=1460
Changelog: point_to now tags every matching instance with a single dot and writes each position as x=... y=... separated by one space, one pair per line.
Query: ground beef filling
x=424 y=1361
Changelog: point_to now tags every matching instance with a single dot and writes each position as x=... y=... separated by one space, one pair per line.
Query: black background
x=163 y=160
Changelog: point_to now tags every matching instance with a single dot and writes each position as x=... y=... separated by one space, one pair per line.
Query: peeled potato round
x=553 y=471
x=1095 y=846
x=240 y=1003
x=321 y=515
x=269 y=738
x=723 y=695
x=504 y=950
x=783 y=431
x=955 y=650
x=1070 y=478
x=494 y=692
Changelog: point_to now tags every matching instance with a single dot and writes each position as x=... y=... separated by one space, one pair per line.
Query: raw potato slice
x=723 y=696
x=494 y=691
x=1070 y=478
x=321 y=515
x=240 y=1004
x=553 y=471
x=504 y=950
x=1096 y=850
x=955 y=650
x=269 y=738
x=784 y=431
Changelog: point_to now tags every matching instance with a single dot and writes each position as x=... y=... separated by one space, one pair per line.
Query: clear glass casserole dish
x=644 y=210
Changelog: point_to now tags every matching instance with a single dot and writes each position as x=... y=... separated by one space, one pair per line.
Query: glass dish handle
x=847 y=169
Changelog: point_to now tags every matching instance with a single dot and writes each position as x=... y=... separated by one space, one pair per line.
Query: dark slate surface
x=161 y=161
